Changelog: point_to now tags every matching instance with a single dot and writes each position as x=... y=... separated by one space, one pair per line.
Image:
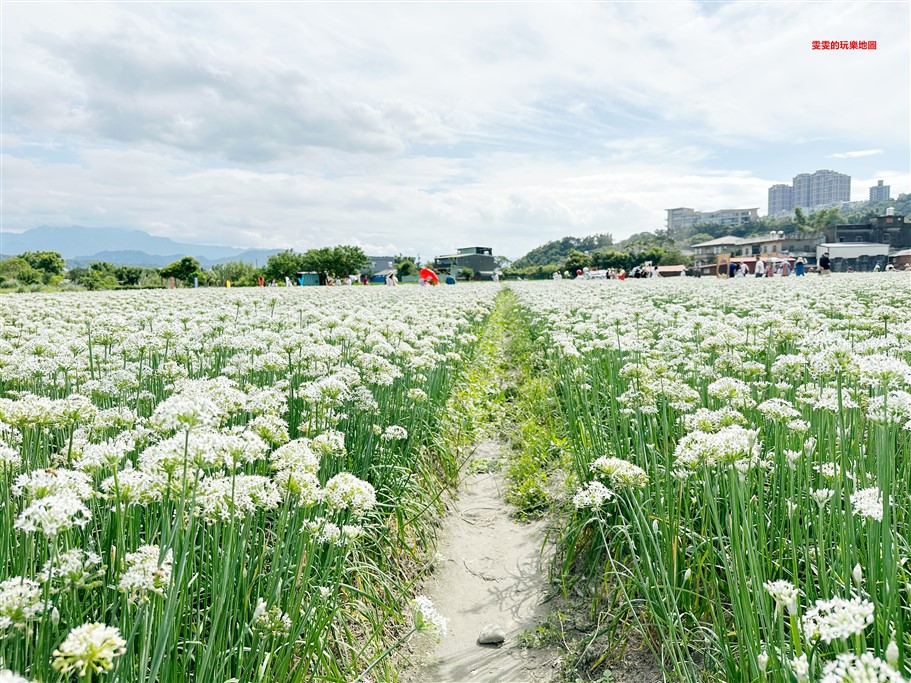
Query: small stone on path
x=491 y=635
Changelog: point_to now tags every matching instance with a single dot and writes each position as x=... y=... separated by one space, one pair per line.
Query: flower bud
x=892 y=654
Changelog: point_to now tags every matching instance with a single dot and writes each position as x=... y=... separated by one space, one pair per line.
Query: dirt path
x=493 y=573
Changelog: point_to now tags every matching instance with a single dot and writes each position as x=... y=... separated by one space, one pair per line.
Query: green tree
x=282 y=265
x=318 y=260
x=576 y=260
x=557 y=250
x=347 y=260
x=49 y=263
x=16 y=270
x=824 y=218
x=99 y=275
x=800 y=218
x=183 y=270
x=128 y=276
x=406 y=265
x=610 y=258
x=466 y=273
x=239 y=273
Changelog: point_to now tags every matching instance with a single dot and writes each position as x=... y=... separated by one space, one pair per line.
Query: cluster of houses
x=480 y=260
x=884 y=240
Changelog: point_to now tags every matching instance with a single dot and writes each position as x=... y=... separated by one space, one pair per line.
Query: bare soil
x=492 y=572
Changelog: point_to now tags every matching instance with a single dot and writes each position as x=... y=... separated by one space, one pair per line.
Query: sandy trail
x=493 y=573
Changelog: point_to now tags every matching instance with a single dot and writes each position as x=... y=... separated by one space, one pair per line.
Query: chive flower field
x=740 y=452
x=220 y=486
x=245 y=485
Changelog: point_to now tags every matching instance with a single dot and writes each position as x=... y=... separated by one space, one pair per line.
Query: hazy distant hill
x=76 y=241
x=129 y=257
x=79 y=246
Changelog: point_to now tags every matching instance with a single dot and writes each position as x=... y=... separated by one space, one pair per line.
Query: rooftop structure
x=890 y=229
x=479 y=259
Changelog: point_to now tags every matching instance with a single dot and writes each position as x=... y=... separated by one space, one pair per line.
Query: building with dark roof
x=890 y=229
x=479 y=259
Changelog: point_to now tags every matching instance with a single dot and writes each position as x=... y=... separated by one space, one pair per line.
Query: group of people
x=777 y=268
x=644 y=271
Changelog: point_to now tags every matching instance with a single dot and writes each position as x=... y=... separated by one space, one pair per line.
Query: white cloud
x=855 y=154
x=422 y=127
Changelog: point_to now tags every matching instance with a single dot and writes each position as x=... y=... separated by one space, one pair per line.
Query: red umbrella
x=429 y=276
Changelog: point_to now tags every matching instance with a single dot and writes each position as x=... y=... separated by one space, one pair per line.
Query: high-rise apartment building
x=820 y=189
x=880 y=192
x=811 y=191
x=781 y=199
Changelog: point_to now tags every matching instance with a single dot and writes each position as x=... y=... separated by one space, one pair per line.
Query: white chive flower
x=868 y=503
x=90 y=648
x=7 y=676
x=867 y=668
x=346 y=492
x=837 y=619
x=20 y=602
x=54 y=514
x=427 y=618
x=146 y=573
x=592 y=494
x=394 y=433
x=76 y=568
x=785 y=595
x=270 y=622
x=622 y=473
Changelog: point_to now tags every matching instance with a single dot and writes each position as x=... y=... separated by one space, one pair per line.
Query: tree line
x=48 y=269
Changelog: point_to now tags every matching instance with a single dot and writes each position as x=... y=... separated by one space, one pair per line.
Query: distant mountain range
x=81 y=246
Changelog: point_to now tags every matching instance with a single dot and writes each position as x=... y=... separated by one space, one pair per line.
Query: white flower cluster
x=785 y=595
x=592 y=494
x=76 y=568
x=621 y=473
x=53 y=514
x=728 y=444
x=20 y=602
x=394 y=433
x=146 y=573
x=344 y=491
x=706 y=420
x=90 y=648
x=9 y=458
x=186 y=411
x=270 y=622
x=427 y=618
x=867 y=668
x=837 y=618
x=222 y=498
x=868 y=503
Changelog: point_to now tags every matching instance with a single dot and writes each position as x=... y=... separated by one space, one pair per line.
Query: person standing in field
x=825 y=264
x=799 y=266
x=760 y=268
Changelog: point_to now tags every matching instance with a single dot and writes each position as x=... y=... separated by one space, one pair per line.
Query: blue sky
x=423 y=127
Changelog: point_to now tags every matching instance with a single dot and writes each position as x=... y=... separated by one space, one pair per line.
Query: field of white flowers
x=740 y=451
x=221 y=486
x=242 y=485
